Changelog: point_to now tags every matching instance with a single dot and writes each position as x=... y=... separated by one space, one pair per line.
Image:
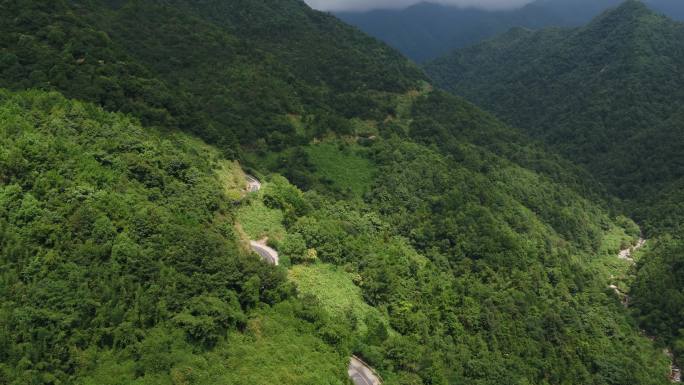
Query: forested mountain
x=426 y=31
x=609 y=96
x=415 y=230
x=202 y=66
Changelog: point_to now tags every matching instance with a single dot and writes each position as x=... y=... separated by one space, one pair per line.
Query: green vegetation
x=259 y=221
x=203 y=66
x=199 y=333
x=462 y=294
x=119 y=262
x=233 y=179
x=659 y=292
x=122 y=257
x=337 y=292
x=343 y=167
x=604 y=95
x=275 y=347
x=608 y=96
x=278 y=349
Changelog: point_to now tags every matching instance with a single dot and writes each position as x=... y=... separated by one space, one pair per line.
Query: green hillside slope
x=120 y=263
x=607 y=96
x=171 y=65
x=477 y=256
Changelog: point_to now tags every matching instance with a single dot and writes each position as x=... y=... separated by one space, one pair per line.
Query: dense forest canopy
x=607 y=95
x=202 y=66
x=456 y=251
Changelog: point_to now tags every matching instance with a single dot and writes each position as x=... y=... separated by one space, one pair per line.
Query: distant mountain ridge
x=427 y=30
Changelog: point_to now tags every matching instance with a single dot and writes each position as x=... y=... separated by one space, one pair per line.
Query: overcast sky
x=363 y=5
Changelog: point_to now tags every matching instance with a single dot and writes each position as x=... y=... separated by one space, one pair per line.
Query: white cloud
x=363 y=5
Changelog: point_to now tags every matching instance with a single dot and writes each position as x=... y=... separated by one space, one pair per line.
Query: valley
x=239 y=192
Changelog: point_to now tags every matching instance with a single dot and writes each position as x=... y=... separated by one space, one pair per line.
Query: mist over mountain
x=428 y=30
x=364 y=5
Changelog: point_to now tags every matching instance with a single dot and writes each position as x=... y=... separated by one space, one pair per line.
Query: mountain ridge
x=426 y=31
x=583 y=82
x=413 y=229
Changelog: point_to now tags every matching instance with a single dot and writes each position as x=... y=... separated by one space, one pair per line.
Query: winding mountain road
x=359 y=372
x=260 y=247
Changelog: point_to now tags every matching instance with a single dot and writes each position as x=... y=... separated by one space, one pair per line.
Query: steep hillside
x=121 y=263
x=607 y=95
x=465 y=252
x=226 y=71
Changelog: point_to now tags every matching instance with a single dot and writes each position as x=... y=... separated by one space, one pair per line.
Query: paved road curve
x=253 y=184
x=359 y=372
x=268 y=254
x=362 y=374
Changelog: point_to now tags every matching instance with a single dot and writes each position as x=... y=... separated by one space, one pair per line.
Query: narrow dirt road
x=362 y=374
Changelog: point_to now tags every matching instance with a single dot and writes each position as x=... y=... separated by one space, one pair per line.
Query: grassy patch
x=345 y=168
x=615 y=271
x=297 y=123
x=364 y=127
x=259 y=221
x=614 y=240
x=336 y=291
x=232 y=179
x=405 y=101
x=274 y=350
